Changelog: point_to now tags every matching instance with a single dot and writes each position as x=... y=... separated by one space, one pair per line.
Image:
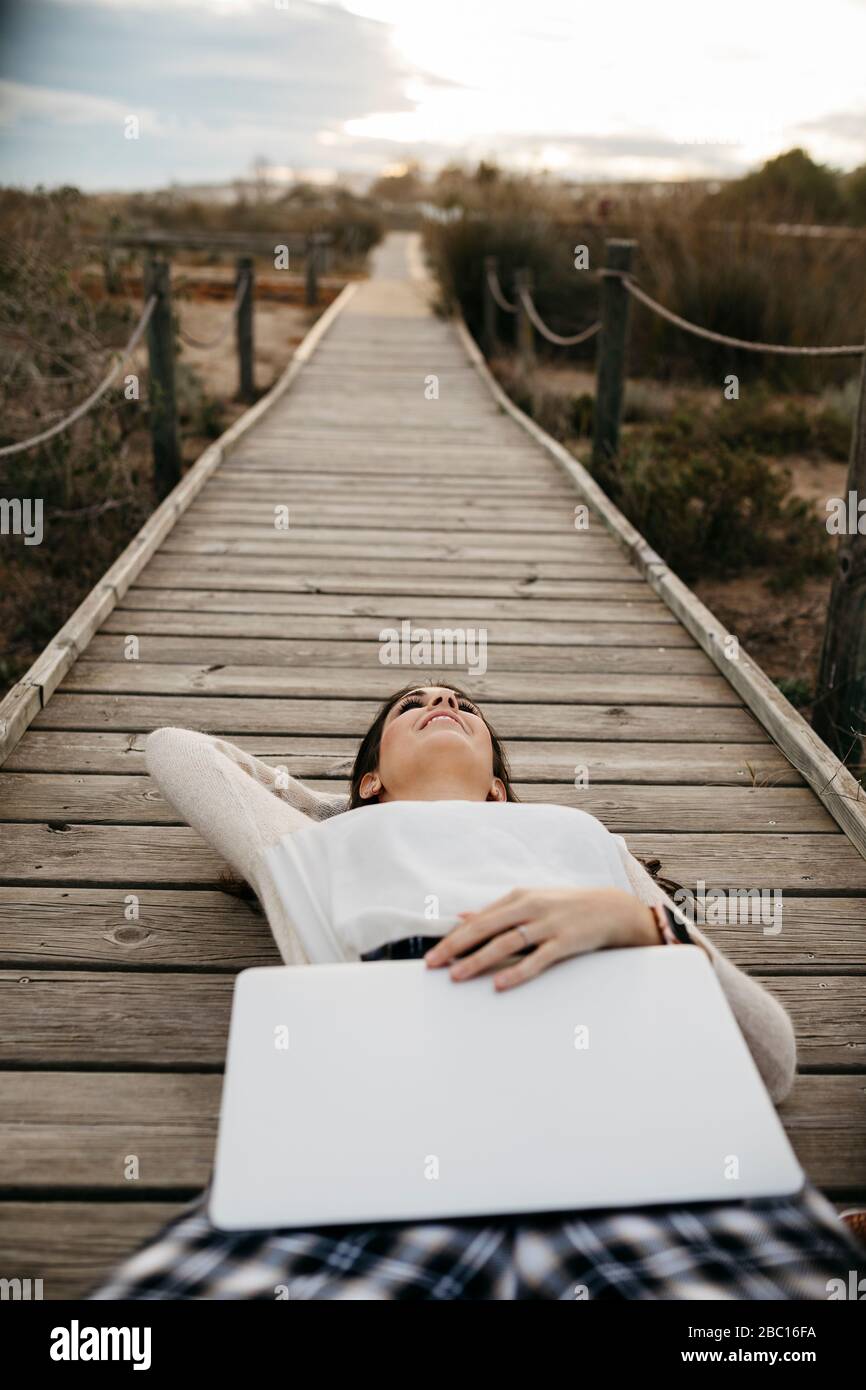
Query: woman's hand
x=555 y=922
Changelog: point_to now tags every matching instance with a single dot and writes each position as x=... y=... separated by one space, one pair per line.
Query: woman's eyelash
x=413 y=700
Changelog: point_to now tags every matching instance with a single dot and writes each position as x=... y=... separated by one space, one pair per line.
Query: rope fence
x=838 y=707
x=208 y=344
x=95 y=395
x=538 y=323
x=160 y=324
x=496 y=292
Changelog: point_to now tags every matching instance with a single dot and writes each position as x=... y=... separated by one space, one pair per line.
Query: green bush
x=716 y=513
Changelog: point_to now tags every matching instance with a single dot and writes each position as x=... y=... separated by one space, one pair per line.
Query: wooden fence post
x=610 y=357
x=525 y=341
x=311 y=288
x=163 y=405
x=244 y=328
x=110 y=275
x=839 y=716
x=489 y=307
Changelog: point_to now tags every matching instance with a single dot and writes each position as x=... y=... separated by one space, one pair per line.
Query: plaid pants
x=784 y=1248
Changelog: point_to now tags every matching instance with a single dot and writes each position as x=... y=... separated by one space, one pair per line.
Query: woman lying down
x=556 y=883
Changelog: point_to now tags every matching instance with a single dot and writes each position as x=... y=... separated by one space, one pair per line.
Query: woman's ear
x=369 y=785
x=497 y=791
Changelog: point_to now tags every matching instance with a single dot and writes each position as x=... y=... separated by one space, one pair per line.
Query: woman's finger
x=530 y=966
x=481 y=927
x=505 y=943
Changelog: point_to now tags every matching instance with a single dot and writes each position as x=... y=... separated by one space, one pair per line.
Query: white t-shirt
x=406 y=868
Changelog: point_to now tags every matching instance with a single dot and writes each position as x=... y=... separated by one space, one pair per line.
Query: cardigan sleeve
x=238 y=803
x=763 y=1021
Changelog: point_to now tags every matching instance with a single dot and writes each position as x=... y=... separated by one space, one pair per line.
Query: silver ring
x=522 y=931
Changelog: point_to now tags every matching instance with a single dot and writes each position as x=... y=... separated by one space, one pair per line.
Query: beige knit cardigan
x=242 y=806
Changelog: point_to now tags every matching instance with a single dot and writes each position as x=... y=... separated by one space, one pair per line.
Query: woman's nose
x=449 y=699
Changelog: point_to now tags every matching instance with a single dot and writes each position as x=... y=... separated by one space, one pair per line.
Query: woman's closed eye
x=413 y=701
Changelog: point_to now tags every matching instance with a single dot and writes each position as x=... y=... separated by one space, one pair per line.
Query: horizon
x=324 y=92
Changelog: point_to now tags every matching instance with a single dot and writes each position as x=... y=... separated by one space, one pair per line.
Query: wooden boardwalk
x=445 y=512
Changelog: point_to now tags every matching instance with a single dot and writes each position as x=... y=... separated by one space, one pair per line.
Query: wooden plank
x=81 y=854
x=153 y=1020
x=136 y=800
x=215 y=572
x=225 y=715
x=446 y=610
x=200 y=929
x=185 y=619
x=693 y=764
x=396 y=607
x=516 y=520
x=424 y=486
x=191 y=929
x=792 y=863
x=71 y=1246
x=424 y=538
x=378 y=682
x=73 y=1129
x=357 y=656
x=259 y=558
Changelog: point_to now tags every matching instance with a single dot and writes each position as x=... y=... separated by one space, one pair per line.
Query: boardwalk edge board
x=29 y=695
x=831 y=781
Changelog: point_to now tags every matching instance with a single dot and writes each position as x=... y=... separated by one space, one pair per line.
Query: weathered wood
x=464 y=609
x=265 y=559
x=135 y=800
x=792 y=863
x=525 y=331
x=176 y=612
x=319 y=515
x=71 y=1246
x=611 y=351
x=264 y=575
x=358 y=656
x=162 y=405
x=590 y=548
x=311 y=271
x=244 y=329
x=377 y=682
x=208 y=572
x=489 y=307
x=180 y=612
x=214 y=714
x=626 y=764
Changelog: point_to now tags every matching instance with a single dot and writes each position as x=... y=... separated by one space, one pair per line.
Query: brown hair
x=367 y=759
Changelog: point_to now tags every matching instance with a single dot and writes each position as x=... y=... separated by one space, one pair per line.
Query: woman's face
x=434 y=740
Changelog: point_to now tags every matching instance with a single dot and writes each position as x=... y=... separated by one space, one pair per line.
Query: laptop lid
x=385 y=1091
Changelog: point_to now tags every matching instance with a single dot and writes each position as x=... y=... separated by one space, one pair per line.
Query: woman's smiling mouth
x=442 y=714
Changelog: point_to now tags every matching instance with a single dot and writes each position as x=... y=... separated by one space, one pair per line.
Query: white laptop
x=386 y=1091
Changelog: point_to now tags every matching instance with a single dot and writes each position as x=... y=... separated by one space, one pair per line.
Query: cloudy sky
x=622 y=89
